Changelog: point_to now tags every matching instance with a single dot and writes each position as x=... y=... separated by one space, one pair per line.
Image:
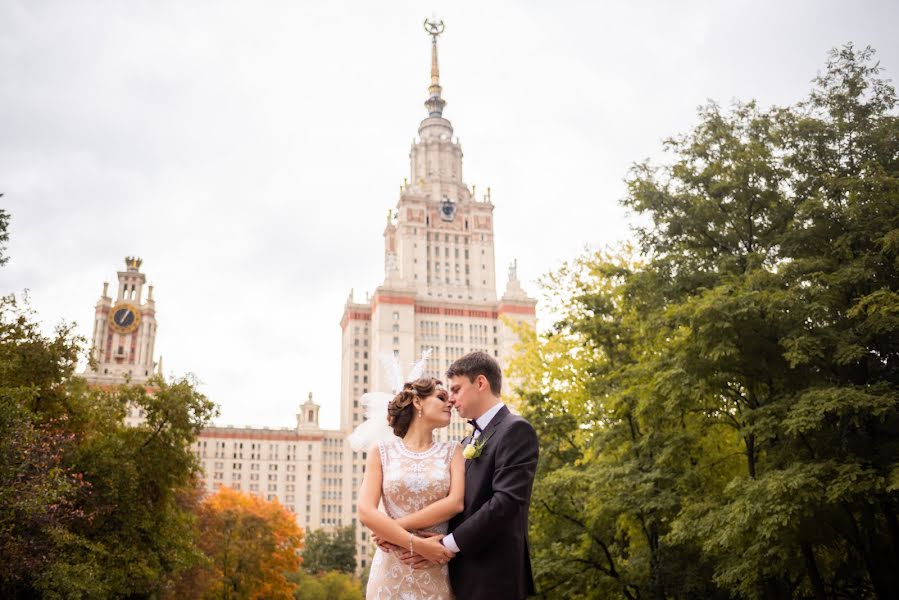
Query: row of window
x=253 y=446
x=255 y=466
x=446 y=238
x=253 y=456
x=255 y=477
x=446 y=267
x=446 y=252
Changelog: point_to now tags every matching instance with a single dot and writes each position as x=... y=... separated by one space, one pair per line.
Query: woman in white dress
x=422 y=485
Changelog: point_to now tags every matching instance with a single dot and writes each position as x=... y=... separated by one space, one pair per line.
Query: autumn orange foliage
x=251 y=544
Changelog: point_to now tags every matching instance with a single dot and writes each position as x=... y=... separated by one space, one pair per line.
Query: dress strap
x=450 y=451
x=382 y=450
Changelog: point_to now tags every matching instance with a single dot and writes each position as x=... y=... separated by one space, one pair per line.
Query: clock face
x=447 y=209
x=124 y=318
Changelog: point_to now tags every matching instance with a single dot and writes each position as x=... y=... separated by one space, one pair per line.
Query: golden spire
x=434 y=103
x=434 y=88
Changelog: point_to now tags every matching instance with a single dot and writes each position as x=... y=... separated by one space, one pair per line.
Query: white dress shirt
x=483 y=421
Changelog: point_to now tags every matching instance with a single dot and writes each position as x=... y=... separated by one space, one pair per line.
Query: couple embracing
x=455 y=520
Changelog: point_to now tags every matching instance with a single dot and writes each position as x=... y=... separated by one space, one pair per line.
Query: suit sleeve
x=513 y=479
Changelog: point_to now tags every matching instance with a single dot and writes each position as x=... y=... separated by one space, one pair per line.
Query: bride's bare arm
x=369 y=498
x=441 y=510
x=379 y=523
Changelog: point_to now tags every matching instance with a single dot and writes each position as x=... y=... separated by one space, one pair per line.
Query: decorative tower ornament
x=434 y=103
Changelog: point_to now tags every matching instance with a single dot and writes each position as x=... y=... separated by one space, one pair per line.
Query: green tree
x=719 y=415
x=331 y=585
x=613 y=453
x=330 y=551
x=341 y=586
x=89 y=507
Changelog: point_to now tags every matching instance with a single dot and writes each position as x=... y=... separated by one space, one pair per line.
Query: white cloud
x=249 y=152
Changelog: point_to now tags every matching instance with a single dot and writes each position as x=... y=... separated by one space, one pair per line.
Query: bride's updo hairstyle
x=401 y=411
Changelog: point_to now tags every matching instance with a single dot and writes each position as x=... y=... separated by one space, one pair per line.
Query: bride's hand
x=384 y=545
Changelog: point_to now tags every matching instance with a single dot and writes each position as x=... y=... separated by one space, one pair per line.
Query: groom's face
x=464 y=396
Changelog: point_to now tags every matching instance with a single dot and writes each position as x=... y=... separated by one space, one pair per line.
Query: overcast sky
x=249 y=151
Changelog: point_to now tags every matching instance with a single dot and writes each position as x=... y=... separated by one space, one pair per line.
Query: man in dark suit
x=490 y=536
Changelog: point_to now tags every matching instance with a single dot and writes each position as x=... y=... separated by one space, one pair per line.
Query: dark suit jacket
x=492 y=531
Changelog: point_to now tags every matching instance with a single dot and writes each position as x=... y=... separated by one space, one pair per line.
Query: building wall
x=275 y=464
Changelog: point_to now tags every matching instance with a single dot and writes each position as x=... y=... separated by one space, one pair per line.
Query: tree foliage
x=719 y=408
x=252 y=545
x=330 y=585
x=330 y=551
x=89 y=507
x=4 y=235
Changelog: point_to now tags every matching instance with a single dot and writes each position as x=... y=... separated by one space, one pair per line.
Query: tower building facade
x=124 y=330
x=439 y=288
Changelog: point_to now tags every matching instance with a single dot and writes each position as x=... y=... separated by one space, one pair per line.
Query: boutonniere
x=474 y=447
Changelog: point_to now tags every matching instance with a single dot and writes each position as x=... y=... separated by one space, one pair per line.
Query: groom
x=490 y=536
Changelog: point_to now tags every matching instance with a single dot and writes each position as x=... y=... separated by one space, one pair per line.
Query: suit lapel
x=494 y=423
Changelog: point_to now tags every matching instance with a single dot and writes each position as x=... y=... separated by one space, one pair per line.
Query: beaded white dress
x=411 y=481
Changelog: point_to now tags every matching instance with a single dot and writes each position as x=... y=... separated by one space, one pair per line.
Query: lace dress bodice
x=411 y=481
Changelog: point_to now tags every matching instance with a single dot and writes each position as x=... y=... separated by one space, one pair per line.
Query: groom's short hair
x=478 y=363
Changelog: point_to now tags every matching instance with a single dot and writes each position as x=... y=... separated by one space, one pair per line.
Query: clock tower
x=124 y=331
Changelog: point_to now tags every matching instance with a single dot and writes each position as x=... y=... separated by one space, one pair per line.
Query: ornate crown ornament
x=133 y=263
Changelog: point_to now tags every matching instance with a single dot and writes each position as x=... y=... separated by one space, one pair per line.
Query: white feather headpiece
x=375 y=428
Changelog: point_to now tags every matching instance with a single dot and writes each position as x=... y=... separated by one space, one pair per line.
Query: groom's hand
x=416 y=561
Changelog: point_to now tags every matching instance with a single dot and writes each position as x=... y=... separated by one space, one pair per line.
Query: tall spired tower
x=439 y=288
x=124 y=330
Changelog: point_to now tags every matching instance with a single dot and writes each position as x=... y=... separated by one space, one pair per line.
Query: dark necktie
x=474 y=424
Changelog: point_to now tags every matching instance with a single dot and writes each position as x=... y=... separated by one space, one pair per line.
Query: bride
x=422 y=485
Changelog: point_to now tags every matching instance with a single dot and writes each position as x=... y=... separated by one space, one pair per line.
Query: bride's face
x=436 y=410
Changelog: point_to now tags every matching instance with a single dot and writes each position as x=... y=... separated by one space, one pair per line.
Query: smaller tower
x=515 y=308
x=124 y=331
x=307 y=418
